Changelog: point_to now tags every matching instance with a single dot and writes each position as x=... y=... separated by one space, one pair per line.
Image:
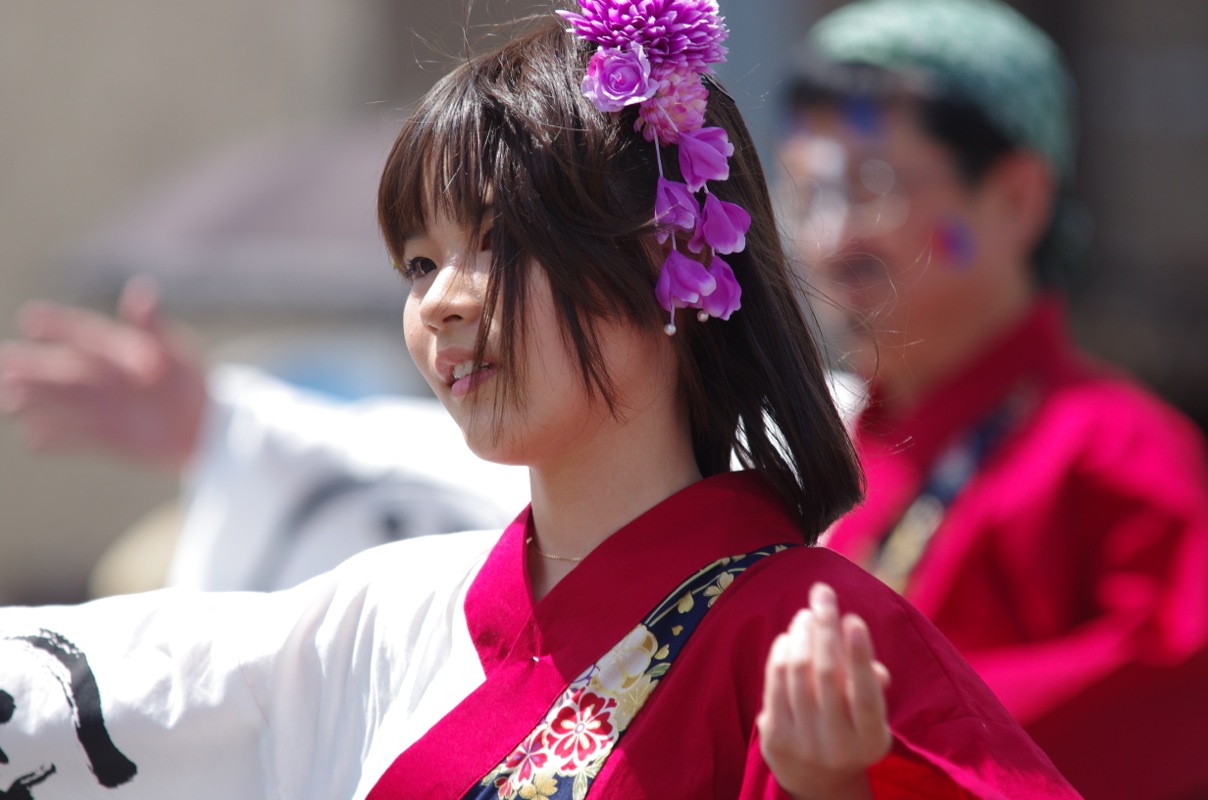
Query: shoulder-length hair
x=566 y=187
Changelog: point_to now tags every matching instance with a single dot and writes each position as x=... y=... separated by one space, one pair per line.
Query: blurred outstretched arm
x=133 y=386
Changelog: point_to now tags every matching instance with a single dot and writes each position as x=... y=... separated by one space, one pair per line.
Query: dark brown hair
x=572 y=189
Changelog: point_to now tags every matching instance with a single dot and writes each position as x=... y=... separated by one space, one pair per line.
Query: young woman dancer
x=654 y=624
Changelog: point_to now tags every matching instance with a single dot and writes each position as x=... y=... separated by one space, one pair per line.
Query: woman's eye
x=415 y=268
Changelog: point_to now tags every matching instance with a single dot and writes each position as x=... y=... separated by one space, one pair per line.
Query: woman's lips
x=463 y=386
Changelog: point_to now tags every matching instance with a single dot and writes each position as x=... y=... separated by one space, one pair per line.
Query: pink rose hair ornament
x=653 y=54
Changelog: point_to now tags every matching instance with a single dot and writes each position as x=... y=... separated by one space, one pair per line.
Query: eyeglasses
x=821 y=197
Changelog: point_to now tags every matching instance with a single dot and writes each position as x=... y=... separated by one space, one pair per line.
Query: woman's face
x=551 y=416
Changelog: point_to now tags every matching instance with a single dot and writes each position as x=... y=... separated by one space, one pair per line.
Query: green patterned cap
x=978 y=51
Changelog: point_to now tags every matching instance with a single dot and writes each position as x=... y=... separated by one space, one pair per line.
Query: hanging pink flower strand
x=652 y=54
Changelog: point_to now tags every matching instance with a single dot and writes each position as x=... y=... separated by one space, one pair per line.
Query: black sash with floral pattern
x=563 y=755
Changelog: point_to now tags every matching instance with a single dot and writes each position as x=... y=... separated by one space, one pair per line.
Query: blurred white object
x=286 y=483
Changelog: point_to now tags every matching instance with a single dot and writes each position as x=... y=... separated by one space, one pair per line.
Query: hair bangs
x=441 y=163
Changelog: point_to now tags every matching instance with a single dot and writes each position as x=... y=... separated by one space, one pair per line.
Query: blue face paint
x=864 y=117
x=953 y=239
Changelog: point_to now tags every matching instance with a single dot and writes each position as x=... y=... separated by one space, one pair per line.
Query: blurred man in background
x=1048 y=514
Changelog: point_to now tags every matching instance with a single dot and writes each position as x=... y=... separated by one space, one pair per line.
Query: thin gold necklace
x=551 y=556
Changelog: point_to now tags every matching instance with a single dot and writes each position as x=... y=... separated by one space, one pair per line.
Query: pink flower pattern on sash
x=568 y=748
x=582 y=728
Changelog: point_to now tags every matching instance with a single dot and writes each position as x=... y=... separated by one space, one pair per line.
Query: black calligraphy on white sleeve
x=69 y=667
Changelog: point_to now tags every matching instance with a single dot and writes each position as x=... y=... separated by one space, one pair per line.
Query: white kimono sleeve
x=286 y=483
x=194 y=696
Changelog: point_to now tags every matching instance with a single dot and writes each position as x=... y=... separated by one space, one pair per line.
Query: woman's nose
x=454 y=296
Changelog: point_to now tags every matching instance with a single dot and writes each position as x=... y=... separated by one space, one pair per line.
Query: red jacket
x=1071 y=568
x=696 y=736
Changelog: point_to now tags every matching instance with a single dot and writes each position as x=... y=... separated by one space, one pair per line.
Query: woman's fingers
x=802 y=696
x=776 y=717
x=830 y=671
x=824 y=717
x=836 y=687
x=866 y=683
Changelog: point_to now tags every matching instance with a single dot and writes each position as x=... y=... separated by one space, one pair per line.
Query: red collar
x=1036 y=348
x=531 y=652
x=624 y=577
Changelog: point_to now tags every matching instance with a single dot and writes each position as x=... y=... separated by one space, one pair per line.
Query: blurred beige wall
x=98 y=100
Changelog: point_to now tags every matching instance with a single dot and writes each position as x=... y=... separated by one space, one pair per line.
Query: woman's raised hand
x=824 y=720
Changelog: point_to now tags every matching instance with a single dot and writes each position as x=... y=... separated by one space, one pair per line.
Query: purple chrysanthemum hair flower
x=653 y=53
x=677 y=32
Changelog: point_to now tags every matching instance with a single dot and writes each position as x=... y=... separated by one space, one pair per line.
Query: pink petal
x=723 y=227
x=726 y=297
x=674 y=207
x=703 y=156
x=682 y=282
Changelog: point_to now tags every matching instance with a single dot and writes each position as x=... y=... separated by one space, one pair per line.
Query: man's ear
x=1025 y=188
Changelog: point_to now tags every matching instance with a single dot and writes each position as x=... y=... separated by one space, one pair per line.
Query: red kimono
x=692 y=730
x=1068 y=562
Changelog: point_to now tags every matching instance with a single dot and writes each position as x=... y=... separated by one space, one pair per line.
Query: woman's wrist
x=850 y=786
